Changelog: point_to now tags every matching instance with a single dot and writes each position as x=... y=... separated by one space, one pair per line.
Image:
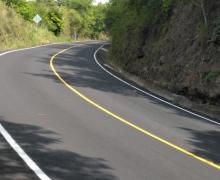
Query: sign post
x=37 y=19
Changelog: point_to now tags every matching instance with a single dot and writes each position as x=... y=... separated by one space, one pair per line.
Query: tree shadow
x=206 y=144
x=11 y=165
x=184 y=114
x=57 y=164
x=77 y=68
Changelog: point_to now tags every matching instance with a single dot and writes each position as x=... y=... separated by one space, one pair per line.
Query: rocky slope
x=180 y=54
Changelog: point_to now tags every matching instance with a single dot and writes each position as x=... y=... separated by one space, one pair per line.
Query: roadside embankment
x=15 y=32
x=104 y=58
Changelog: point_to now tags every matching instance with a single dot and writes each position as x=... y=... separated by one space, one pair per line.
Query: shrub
x=54 y=21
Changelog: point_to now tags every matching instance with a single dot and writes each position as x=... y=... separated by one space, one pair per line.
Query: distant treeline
x=73 y=18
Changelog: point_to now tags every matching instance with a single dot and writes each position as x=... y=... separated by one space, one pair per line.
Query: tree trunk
x=75 y=34
x=204 y=13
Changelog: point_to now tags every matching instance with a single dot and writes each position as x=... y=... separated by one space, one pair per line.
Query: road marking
x=127 y=122
x=104 y=49
x=16 y=50
x=14 y=145
x=151 y=95
x=106 y=65
x=30 y=163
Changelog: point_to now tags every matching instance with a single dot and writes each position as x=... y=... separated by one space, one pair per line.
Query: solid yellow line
x=217 y=166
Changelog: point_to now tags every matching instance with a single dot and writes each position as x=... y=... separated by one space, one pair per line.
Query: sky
x=102 y=1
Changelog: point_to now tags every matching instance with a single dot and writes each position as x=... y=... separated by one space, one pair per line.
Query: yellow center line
x=127 y=122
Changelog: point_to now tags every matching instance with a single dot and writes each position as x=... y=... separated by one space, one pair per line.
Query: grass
x=17 y=33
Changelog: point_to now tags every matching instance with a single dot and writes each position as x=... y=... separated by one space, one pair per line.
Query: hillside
x=16 y=32
x=61 y=21
x=173 y=44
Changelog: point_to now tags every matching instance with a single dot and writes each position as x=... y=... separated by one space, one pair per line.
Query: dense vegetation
x=16 y=32
x=172 y=43
x=134 y=20
x=73 y=19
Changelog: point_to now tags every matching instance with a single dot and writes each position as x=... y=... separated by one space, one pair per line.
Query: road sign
x=37 y=19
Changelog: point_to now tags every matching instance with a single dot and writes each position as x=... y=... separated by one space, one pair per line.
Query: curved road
x=69 y=138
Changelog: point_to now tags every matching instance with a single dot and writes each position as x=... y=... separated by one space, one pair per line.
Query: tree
x=75 y=23
x=94 y=21
x=54 y=20
x=79 y=5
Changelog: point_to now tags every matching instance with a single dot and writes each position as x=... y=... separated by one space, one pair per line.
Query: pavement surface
x=68 y=138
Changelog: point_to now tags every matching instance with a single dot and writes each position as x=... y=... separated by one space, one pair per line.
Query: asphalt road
x=68 y=138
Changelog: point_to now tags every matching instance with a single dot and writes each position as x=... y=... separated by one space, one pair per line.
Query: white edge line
x=30 y=163
x=104 y=49
x=149 y=94
x=22 y=49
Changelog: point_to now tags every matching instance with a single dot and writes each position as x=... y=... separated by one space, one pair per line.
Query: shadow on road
x=11 y=165
x=78 y=69
x=57 y=164
x=206 y=144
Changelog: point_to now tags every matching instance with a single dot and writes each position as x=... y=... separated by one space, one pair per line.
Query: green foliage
x=72 y=22
x=26 y=10
x=9 y=2
x=94 y=22
x=129 y=23
x=73 y=18
x=15 y=32
x=54 y=21
x=167 y=4
x=79 y=5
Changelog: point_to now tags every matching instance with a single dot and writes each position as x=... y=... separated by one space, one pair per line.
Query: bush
x=26 y=10
x=54 y=21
